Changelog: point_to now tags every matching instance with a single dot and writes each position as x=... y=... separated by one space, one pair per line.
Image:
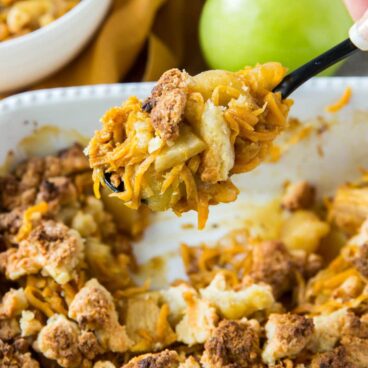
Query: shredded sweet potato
x=179 y=148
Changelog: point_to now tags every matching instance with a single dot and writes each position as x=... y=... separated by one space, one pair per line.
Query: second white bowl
x=28 y=59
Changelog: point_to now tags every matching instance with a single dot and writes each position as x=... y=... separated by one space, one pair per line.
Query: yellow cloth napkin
x=138 y=40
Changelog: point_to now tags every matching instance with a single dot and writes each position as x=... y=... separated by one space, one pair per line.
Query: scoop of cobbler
x=179 y=148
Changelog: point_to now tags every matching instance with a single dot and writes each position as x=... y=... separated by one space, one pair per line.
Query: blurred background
x=137 y=40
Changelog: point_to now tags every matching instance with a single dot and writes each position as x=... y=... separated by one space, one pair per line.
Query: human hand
x=359 y=31
x=356 y=7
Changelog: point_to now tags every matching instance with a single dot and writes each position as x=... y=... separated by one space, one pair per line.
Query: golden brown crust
x=52 y=167
x=360 y=260
x=17 y=262
x=48 y=238
x=167 y=114
x=13 y=195
x=57 y=191
x=20 y=189
x=72 y=160
x=10 y=222
x=16 y=356
x=31 y=172
x=233 y=344
x=68 y=161
x=38 y=180
x=298 y=196
x=58 y=340
x=164 y=359
x=167 y=103
x=172 y=79
x=273 y=265
x=12 y=303
x=356 y=351
x=88 y=345
x=92 y=306
x=51 y=246
x=287 y=335
x=353 y=353
x=94 y=309
x=331 y=359
x=355 y=326
x=46 y=246
x=9 y=329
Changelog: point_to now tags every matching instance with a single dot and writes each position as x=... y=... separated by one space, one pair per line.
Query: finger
x=358 y=33
x=356 y=7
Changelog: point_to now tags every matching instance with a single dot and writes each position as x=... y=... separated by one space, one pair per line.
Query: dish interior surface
x=325 y=158
x=277 y=278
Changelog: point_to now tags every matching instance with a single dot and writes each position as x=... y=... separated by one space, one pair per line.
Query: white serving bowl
x=344 y=145
x=29 y=58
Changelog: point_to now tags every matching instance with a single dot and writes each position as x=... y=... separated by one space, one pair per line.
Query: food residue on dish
x=341 y=102
x=153 y=270
x=297 y=132
x=45 y=138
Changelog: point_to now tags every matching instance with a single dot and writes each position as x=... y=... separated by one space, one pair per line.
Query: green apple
x=235 y=33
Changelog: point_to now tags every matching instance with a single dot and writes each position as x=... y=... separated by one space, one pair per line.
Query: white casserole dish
x=345 y=152
x=27 y=59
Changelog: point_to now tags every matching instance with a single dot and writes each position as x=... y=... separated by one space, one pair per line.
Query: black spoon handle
x=293 y=80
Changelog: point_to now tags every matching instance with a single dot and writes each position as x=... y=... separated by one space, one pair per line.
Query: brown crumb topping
x=13 y=195
x=50 y=246
x=88 y=345
x=360 y=260
x=167 y=103
x=331 y=359
x=9 y=329
x=273 y=265
x=94 y=309
x=164 y=359
x=233 y=344
x=58 y=340
x=287 y=335
x=54 y=311
x=299 y=196
x=356 y=351
x=10 y=222
x=72 y=160
x=13 y=356
x=57 y=191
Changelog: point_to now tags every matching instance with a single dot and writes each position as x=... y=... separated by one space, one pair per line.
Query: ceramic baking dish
x=326 y=158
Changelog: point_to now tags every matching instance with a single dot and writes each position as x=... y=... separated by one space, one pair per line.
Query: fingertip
x=356 y=8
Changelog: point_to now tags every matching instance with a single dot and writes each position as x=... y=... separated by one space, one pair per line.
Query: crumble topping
x=68 y=298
